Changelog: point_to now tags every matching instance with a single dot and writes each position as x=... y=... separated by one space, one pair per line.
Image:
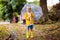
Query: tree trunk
x=43 y=4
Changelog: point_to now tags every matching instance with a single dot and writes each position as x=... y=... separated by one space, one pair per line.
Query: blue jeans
x=30 y=27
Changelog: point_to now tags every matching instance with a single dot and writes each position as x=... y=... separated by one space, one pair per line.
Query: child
x=29 y=17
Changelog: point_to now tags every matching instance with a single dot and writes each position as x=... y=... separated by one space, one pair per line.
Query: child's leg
x=31 y=31
x=27 y=32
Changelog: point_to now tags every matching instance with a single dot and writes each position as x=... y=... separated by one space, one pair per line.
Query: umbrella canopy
x=37 y=10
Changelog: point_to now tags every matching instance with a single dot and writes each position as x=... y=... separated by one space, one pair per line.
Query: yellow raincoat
x=29 y=20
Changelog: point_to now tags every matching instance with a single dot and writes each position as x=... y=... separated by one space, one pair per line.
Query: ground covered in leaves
x=41 y=32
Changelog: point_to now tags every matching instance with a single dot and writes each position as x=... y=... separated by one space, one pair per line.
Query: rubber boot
x=27 y=34
x=32 y=35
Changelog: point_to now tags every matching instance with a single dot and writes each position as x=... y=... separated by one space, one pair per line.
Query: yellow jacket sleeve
x=32 y=15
